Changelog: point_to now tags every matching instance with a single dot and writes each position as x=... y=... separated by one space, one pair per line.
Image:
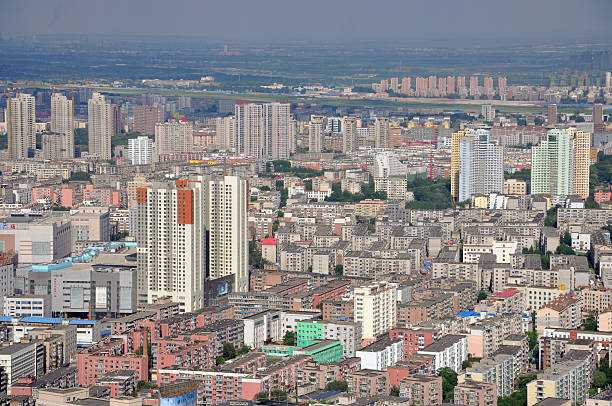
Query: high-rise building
x=488 y=112
x=99 y=126
x=552 y=164
x=406 y=85
x=140 y=150
x=172 y=248
x=228 y=244
x=455 y=163
x=375 y=308
x=62 y=123
x=276 y=120
x=481 y=165
x=442 y=86
x=115 y=119
x=488 y=85
x=460 y=83
x=226 y=132
x=315 y=134
x=421 y=86
x=609 y=80
x=598 y=123
x=145 y=118
x=349 y=135
x=474 y=86
x=21 y=118
x=450 y=85
x=173 y=136
x=293 y=133
x=581 y=143
x=249 y=129
x=381 y=133
x=502 y=83
x=394 y=85
x=432 y=82
x=551 y=118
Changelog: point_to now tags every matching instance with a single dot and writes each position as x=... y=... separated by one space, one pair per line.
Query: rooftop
x=380 y=345
x=443 y=343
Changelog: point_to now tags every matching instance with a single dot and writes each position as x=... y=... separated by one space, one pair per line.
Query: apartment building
x=470 y=393
x=375 y=308
x=422 y=390
x=381 y=354
x=450 y=351
x=563 y=312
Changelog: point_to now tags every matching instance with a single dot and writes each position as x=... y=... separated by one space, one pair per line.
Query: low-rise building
x=381 y=354
x=470 y=393
x=422 y=390
x=563 y=312
x=450 y=351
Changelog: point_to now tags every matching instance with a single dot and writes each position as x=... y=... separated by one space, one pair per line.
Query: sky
x=315 y=20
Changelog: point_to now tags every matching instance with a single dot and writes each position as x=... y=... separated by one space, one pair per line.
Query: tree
x=565 y=250
x=394 y=391
x=289 y=338
x=337 y=385
x=229 y=351
x=482 y=295
x=449 y=381
x=590 y=203
x=261 y=397
x=79 y=176
x=599 y=379
x=243 y=350
x=591 y=322
x=339 y=270
x=265 y=188
x=219 y=361
x=278 y=395
x=551 y=217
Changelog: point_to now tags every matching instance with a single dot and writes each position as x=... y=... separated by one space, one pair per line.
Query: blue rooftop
x=43 y=320
x=6 y=318
x=468 y=313
x=82 y=322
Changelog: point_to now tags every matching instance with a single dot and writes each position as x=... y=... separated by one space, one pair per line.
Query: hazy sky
x=336 y=20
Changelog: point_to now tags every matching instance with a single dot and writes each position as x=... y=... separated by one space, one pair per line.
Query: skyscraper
x=226 y=131
x=552 y=164
x=227 y=229
x=551 y=118
x=62 y=123
x=488 y=112
x=455 y=163
x=276 y=117
x=140 y=150
x=474 y=86
x=450 y=85
x=481 y=165
x=249 y=129
x=173 y=136
x=598 y=123
x=315 y=134
x=582 y=163
x=406 y=85
x=381 y=133
x=145 y=118
x=99 y=126
x=394 y=85
x=21 y=117
x=171 y=236
x=349 y=135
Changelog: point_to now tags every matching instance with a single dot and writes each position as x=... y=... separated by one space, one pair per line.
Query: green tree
x=482 y=295
x=219 y=361
x=261 y=397
x=337 y=385
x=449 y=381
x=339 y=269
x=599 y=379
x=394 y=391
x=565 y=250
x=278 y=395
x=591 y=322
x=551 y=217
x=79 y=176
x=229 y=351
x=243 y=350
x=590 y=203
x=289 y=338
